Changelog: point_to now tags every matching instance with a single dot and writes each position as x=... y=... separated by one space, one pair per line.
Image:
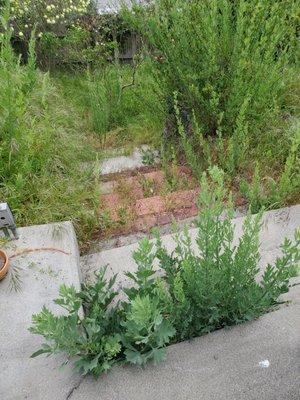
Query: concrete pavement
x=223 y=365
x=42 y=272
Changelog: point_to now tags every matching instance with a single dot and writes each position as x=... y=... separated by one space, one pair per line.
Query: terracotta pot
x=4 y=264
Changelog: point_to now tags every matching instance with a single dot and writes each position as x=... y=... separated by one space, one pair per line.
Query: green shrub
x=225 y=59
x=231 y=64
x=95 y=339
x=146 y=331
x=205 y=285
x=104 y=98
x=99 y=106
x=71 y=34
x=187 y=144
x=289 y=183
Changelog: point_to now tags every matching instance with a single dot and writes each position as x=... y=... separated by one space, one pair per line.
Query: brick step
x=144 y=214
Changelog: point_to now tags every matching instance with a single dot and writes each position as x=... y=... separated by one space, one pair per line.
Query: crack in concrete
x=75 y=387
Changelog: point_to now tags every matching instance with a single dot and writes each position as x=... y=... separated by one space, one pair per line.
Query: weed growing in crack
x=206 y=284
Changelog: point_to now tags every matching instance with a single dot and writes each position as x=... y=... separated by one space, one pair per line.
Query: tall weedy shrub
x=119 y=96
x=210 y=282
x=30 y=69
x=104 y=96
x=226 y=59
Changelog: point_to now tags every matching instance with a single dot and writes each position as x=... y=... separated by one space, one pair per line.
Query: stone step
x=112 y=165
x=136 y=202
x=160 y=223
x=132 y=215
x=41 y=273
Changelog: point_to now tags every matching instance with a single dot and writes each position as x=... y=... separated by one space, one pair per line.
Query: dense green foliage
x=206 y=285
x=225 y=59
x=88 y=41
x=40 y=173
x=123 y=104
x=229 y=77
x=72 y=51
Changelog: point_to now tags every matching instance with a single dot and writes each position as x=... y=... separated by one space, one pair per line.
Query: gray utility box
x=7 y=220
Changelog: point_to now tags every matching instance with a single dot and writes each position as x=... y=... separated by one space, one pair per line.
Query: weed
x=105 y=220
x=254 y=192
x=15 y=278
x=244 y=47
x=270 y=193
x=148 y=157
x=191 y=157
x=148 y=185
x=114 y=103
x=99 y=107
x=198 y=292
x=123 y=215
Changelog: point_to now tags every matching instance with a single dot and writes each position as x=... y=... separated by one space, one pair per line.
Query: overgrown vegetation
x=40 y=172
x=236 y=85
x=122 y=97
x=212 y=83
x=271 y=193
x=230 y=81
x=206 y=285
x=122 y=104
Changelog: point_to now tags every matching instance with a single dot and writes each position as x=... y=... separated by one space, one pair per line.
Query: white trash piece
x=264 y=364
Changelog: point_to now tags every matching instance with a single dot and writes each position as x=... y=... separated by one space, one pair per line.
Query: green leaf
x=131 y=276
x=46 y=349
x=158 y=319
x=134 y=357
x=165 y=332
x=158 y=355
x=141 y=311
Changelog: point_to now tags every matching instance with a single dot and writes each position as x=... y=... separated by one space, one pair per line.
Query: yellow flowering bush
x=44 y=15
x=70 y=32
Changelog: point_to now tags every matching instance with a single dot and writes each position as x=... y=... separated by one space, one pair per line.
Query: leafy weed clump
x=206 y=284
